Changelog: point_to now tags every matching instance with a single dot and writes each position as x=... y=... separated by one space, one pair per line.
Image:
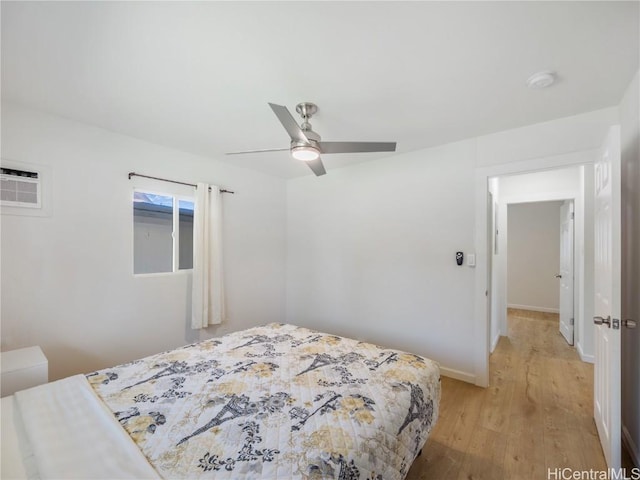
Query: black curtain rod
x=134 y=174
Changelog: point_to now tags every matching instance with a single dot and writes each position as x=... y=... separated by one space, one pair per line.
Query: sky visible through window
x=186 y=205
x=161 y=200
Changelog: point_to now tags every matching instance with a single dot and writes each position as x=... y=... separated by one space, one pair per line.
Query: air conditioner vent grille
x=19 y=188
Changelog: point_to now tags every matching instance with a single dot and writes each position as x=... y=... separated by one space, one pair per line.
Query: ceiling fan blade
x=317 y=167
x=289 y=123
x=355 y=147
x=259 y=151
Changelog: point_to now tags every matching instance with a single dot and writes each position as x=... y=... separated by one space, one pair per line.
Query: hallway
x=535 y=415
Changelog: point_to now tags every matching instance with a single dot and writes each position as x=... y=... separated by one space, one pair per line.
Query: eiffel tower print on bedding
x=276 y=402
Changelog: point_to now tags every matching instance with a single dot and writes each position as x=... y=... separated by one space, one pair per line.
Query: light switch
x=471 y=259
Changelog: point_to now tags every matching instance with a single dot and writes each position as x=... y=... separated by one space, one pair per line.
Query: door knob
x=603 y=321
x=629 y=323
x=558 y=276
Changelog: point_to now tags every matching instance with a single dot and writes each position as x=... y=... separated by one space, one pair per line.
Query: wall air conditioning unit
x=20 y=188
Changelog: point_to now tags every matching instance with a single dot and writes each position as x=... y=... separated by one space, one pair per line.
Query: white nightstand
x=22 y=368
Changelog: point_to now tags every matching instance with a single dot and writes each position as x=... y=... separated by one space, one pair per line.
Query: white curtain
x=207 y=293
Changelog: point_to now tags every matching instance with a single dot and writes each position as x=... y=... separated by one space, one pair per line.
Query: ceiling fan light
x=306 y=153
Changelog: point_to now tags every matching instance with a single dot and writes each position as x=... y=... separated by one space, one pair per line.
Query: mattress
x=271 y=402
x=14 y=462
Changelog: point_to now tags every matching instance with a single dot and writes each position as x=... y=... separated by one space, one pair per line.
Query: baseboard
x=532 y=308
x=583 y=356
x=631 y=447
x=458 y=375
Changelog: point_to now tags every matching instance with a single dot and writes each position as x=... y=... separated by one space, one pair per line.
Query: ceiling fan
x=306 y=145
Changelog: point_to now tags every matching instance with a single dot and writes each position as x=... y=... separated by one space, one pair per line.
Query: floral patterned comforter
x=276 y=402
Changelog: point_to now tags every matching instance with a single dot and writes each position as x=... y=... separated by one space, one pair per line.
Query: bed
x=270 y=402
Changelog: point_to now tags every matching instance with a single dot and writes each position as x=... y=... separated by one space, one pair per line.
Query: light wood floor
x=536 y=414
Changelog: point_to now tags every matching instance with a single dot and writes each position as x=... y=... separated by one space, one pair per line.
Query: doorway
x=583 y=161
x=532 y=194
x=540 y=266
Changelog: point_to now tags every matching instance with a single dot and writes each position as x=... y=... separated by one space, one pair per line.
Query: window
x=162 y=232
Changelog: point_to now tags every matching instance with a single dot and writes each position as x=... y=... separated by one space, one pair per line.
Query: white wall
x=67 y=281
x=544 y=140
x=533 y=257
x=371 y=252
x=540 y=186
x=630 y=133
x=370 y=248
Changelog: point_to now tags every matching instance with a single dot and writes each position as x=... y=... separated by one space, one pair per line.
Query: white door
x=607 y=288
x=566 y=271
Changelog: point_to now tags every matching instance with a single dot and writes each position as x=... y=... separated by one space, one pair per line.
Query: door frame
x=482 y=324
x=574 y=326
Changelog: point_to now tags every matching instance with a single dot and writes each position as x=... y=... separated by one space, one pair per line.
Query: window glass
x=185 y=231
x=152 y=233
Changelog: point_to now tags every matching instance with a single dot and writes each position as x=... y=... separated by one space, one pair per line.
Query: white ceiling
x=197 y=76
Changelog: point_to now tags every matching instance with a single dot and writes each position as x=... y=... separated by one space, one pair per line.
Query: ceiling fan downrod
x=306 y=111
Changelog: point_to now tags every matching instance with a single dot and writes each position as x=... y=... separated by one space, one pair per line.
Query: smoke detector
x=541 y=80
